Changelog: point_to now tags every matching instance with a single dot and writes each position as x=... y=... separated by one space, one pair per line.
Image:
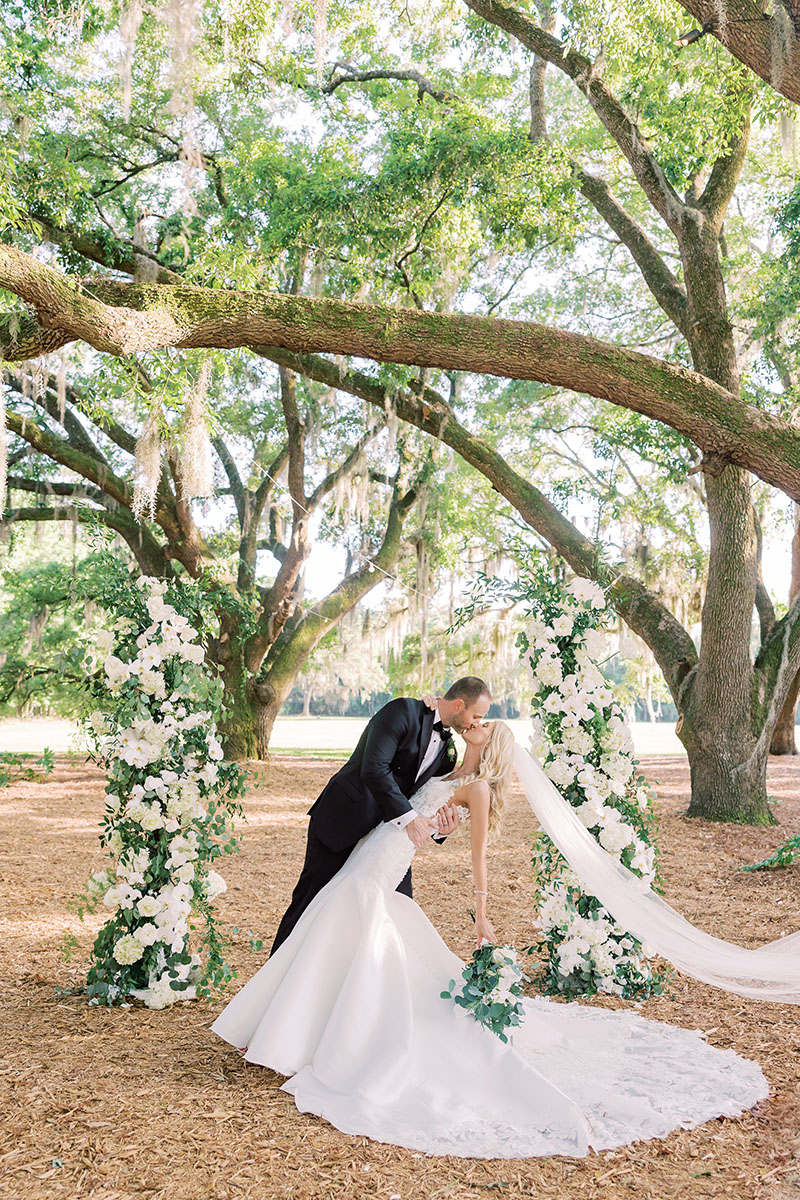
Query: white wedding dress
x=349 y=1008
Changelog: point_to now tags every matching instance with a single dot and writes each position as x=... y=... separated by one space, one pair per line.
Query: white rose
x=158 y=609
x=152 y=818
x=147 y=934
x=112 y=897
x=149 y=906
x=105 y=640
x=588 y=814
x=114 y=841
x=193 y=652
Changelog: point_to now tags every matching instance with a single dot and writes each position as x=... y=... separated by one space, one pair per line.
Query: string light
x=694 y=35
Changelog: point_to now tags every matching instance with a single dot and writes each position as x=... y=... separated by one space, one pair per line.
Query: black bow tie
x=439 y=728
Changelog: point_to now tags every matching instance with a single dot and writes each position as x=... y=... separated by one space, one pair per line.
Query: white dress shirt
x=428 y=757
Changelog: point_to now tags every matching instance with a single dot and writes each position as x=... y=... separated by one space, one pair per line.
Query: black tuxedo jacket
x=380 y=777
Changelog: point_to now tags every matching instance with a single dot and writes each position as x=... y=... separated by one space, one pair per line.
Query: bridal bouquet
x=491 y=989
x=170 y=799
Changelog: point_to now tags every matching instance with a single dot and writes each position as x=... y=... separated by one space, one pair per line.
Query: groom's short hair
x=469 y=689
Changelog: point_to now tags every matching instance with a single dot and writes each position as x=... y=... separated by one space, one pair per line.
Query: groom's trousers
x=320 y=866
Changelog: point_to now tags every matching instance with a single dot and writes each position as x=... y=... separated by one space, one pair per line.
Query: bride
x=349 y=1008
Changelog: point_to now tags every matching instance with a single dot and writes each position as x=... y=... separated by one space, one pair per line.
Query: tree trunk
x=267 y=702
x=783 y=739
x=727 y=765
x=727 y=786
x=307 y=695
x=723 y=726
x=239 y=725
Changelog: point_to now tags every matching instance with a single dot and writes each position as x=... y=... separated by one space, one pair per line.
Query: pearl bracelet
x=477 y=892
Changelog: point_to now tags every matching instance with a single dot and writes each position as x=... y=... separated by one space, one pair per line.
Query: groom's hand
x=419 y=830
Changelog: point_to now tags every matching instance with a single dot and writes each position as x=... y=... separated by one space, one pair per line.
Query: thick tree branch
x=49 y=402
x=622 y=129
x=659 y=278
x=726 y=428
x=643 y=611
x=722 y=181
x=238 y=490
x=55 y=487
x=146 y=550
x=60 y=451
x=118 y=255
x=769 y=44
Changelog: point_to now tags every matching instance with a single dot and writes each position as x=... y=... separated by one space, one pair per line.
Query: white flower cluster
x=580 y=734
x=156 y=828
x=176 y=636
x=511 y=973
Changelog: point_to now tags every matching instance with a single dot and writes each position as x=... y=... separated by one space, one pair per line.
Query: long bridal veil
x=771 y=972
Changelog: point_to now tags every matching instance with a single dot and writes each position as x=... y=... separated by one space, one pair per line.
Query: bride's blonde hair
x=496 y=768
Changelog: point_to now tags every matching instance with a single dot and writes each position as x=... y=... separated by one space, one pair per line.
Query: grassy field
x=321 y=736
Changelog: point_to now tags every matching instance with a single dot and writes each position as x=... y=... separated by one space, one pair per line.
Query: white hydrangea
x=215 y=885
x=594 y=643
x=152 y=684
x=615 y=836
x=577 y=740
x=560 y=772
x=128 y=950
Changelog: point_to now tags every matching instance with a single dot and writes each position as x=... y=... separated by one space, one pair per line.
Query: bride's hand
x=484 y=931
x=429 y=700
x=447 y=819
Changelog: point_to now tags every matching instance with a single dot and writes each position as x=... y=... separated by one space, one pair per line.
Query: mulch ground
x=125 y=1103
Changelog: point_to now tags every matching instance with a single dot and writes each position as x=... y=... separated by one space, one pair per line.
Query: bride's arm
x=479 y=835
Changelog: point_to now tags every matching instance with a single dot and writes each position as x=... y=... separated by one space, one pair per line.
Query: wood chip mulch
x=127 y=1104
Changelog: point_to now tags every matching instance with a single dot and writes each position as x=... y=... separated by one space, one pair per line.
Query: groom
x=403 y=745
